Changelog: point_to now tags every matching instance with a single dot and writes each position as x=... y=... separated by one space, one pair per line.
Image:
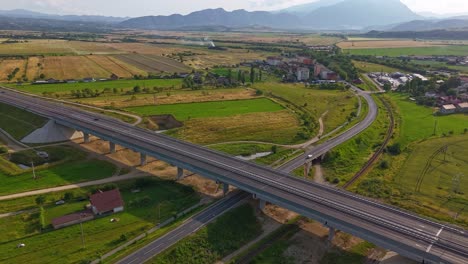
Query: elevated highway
x=408 y=234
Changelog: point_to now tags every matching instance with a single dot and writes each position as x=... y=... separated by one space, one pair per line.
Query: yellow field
x=111 y=65
x=34 y=70
x=95 y=48
x=146 y=48
x=386 y=44
x=8 y=66
x=73 y=67
x=130 y=68
x=175 y=97
x=36 y=47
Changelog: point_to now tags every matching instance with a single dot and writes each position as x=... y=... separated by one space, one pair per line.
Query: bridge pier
x=143 y=159
x=180 y=173
x=225 y=188
x=261 y=204
x=307 y=167
x=112 y=147
x=86 y=137
x=331 y=235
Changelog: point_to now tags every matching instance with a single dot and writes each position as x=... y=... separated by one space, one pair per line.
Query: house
x=328 y=75
x=52 y=80
x=303 y=74
x=114 y=77
x=358 y=81
x=448 y=109
x=274 y=61
x=318 y=69
x=107 y=202
x=70 y=81
x=72 y=219
x=463 y=107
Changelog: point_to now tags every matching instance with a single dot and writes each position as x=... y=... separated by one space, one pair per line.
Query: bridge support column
x=180 y=173
x=331 y=235
x=307 y=167
x=112 y=147
x=225 y=188
x=261 y=204
x=86 y=137
x=142 y=159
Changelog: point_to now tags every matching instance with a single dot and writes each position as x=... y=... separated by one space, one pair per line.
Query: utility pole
x=34 y=172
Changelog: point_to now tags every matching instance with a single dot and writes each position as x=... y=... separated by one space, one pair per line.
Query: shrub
x=384 y=165
x=394 y=149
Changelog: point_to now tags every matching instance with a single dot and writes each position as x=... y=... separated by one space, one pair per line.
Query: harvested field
x=34 y=70
x=84 y=48
x=111 y=66
x=37 y=47
x=141 y=48
x=72 y=67
x=8 y=66
x=253 y=127
x=374 y=44
x=153 y=63
x=441 y=50
x=175 y=97
x=127 y=67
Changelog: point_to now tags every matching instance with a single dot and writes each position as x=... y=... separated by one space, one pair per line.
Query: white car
x=309 y=156
x=60 y=202
x=20 y=245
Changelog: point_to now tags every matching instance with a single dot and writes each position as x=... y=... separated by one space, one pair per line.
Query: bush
x=68 y=196
x=384 y=165
x=3 y=150
x=394 y=149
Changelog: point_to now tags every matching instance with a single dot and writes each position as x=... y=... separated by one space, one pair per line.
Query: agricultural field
x=339 y=104
x=67 y=165
x=435 y=175
x=385 y=43
x=408 y=51
x=117 y=67
x=100 y=235
x=372 y=67
x=34 y=68
x=53 y=47
x=7 y=70
x=17 y=122
x=169 y=96
x=246 y=127
x=183 y=112
x=153 y=63
x=72 y=67
x=439 y=64
x=126 y=85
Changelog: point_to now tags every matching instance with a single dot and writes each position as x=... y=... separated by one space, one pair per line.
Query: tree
x=40 y=200
x=274 y=149
x=229 y=76
x=252 y=74
x=42 y=76
x=137 y=89
x=387 y=87
x=114 y=90
x=68 y=196
x=260 y=75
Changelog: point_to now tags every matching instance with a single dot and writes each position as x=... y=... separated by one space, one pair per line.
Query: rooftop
x=107 y=201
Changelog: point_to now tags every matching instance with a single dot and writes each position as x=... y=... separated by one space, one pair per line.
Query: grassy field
x=249 y=127
x=418 y=122
x=100 y=235
x=17 y=122
x=228 y=233
x=439 y=64
x=72 y=167
x=183 y=112
x=372 y=67
x=384 y=43
x=418 y=51
x=339 y=104
x=119 y=84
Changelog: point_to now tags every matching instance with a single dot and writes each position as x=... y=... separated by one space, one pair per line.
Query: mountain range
x=21 y=13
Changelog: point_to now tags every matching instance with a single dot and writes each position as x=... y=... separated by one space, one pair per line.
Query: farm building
x=107 y=202
x=274 y=61
x=463 y=107
x=448 y=109
x=303 y=74
x=72 y=219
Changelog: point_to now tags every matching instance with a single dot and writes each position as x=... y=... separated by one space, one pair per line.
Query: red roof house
x=107 y=202
x=71 y=219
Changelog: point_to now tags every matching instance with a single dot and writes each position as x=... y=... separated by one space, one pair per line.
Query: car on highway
x=310 y=156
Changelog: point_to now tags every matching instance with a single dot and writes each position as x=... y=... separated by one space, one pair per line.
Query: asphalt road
x=380 y=224
x=190 y=226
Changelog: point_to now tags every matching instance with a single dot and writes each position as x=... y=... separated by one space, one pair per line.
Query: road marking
x=436 y=238
x=440 y=231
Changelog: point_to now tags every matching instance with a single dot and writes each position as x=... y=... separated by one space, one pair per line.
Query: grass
x=440 y=64
x=66 y=165
x=246 y=127
x=242 y=149
x=183 y=112
x=228 y=233
x=119 y=84
x=372 y=67
x=338 y=103
x=101 y=236
x=17 y=122
x=417 y=51
x=356 y=255
x=418 y=122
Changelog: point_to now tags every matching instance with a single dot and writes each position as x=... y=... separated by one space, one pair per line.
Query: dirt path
x=18 y=213
x=132 y=175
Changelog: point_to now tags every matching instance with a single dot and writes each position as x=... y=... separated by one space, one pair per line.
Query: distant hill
x=432 y=34
x=426 y=25
x=305 y=9
x=215 y=17
x=47 y=25
x=358 y=14
x=21 y=13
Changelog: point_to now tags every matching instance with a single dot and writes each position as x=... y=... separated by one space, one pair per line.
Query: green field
x=372 y=67
x=17 y=122
x=417 y=51
x=67 y=165
x=183 y=112
x=418 y=122
x=100 y=235
x=440 y=64
x=228 y=233
x=119 y=84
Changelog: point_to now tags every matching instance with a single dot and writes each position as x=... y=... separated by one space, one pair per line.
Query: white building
x=303 y=74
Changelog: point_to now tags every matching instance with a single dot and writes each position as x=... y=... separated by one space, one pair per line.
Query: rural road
x=134 y=175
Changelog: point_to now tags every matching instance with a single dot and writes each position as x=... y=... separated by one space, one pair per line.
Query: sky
x=134 y=8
